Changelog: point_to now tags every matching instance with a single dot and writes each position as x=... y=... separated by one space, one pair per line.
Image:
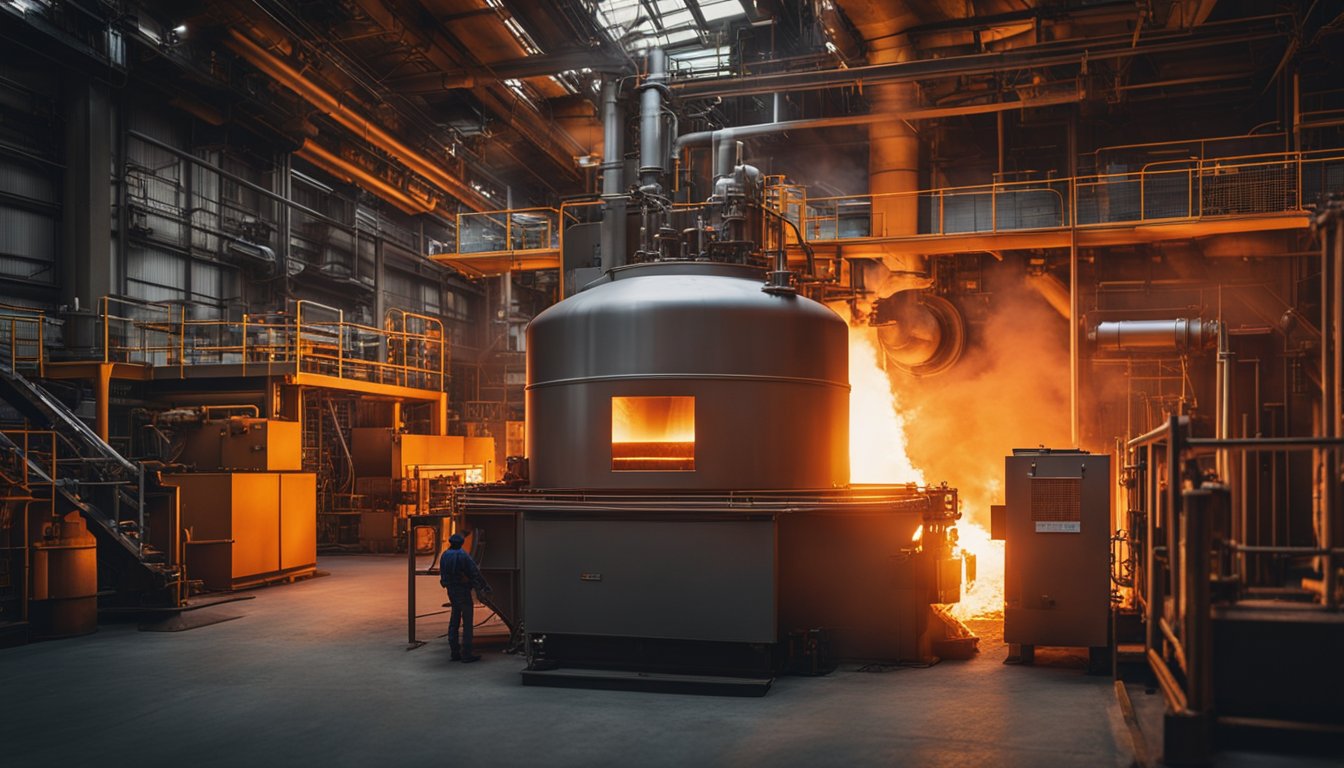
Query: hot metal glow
x=879 y=431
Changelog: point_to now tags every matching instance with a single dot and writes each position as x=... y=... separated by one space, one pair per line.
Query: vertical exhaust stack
x=893 y=148
x=651 y=155
x=613 y=240
x=921 y=334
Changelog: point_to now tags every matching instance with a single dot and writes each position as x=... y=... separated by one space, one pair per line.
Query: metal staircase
x=83 y=472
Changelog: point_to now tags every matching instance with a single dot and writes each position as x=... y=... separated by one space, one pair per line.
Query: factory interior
x=861 y=382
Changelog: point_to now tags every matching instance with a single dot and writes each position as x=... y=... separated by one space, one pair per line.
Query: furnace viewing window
x=653 y=434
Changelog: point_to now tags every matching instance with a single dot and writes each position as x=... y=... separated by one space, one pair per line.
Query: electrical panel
x=1056 y=525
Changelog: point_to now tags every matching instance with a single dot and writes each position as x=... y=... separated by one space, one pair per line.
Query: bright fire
x=653 y=433
x=878 y=432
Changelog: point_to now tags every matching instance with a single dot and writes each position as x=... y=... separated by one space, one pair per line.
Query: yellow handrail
x=309 y=345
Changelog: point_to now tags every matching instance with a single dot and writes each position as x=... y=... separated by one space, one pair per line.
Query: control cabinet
x=1056 y=524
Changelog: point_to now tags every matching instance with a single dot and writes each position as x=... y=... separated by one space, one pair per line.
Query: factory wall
x=111 y=189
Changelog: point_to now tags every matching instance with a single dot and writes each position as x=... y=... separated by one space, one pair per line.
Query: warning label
x=1058 y=526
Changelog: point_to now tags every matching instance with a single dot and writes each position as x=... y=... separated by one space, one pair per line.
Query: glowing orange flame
x=653 y=433
x=878 y=434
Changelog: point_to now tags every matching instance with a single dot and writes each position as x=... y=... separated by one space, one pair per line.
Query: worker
x=459 y=575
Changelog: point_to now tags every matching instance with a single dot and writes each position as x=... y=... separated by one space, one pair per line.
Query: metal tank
x=65 y=579
x=687 y=376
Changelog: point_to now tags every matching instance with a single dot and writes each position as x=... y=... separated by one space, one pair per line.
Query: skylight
x=525 y=40
x=641 y=24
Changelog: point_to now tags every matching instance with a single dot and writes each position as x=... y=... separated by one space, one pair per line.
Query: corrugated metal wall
x=199 y=235
x=30 y=186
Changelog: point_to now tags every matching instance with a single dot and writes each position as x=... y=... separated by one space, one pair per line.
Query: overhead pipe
x=613 y=233
x=446 y=52
x=432 y=82
x=315 y=95
x=344 y=169
x=1035 y=57
x=716 y=137
x=713 y=138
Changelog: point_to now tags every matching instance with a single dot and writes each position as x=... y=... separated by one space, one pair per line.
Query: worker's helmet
x=456 y=539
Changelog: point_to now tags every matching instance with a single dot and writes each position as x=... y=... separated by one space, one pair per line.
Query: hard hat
x=456 y=538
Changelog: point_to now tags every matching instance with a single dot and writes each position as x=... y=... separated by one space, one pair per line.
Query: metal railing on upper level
x=1165 y=191
x=524 y=229
x=409 y=351
x=22 y=338
x=1193 y=189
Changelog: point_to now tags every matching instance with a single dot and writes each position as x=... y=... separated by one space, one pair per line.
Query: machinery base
x=704 y=685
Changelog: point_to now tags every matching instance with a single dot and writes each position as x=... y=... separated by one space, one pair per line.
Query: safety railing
x=508 y=231
x=410 y=350
x=23 y=339
x=28 y=461
x=1189 y=541
x=1163 y=191
x=1191 y=189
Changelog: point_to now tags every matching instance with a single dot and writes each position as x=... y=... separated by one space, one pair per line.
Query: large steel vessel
x=706 y=381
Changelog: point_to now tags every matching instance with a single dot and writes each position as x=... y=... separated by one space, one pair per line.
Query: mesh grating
x=1055 y=499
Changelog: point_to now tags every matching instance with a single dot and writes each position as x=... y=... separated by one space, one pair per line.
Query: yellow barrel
x=65 y=579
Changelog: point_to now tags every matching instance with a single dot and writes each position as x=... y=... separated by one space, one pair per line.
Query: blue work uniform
x=458 y=574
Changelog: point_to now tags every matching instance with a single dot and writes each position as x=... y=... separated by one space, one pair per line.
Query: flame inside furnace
x=879 y=430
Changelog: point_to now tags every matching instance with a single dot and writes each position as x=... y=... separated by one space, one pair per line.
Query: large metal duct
x=924 y=335
x=893 y=148
x=1154 y=335
x=920 y=333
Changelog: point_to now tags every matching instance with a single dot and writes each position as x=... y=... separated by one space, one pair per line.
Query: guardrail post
x=1143 y=194
x=1199 y=186
x=298 y=337
x=1297 y=172
x=242 y=347
x=182 y=342
x=994 y=207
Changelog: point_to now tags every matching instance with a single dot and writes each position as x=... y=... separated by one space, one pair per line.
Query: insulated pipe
x=893 y=146
x=893 y=178
x=1072 y=52
x=344 y=169
x=613 y=242
x=712 y=138
x=1054 y=291
x=651 y=162
x=315 y=95
x=702 y=138
x=1165 y=335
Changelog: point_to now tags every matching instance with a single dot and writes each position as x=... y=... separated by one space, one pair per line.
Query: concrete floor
x=317 y=673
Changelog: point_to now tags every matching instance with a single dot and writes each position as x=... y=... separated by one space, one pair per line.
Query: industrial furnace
x=689 y=508
x=689 y=519
x=1057 y=528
